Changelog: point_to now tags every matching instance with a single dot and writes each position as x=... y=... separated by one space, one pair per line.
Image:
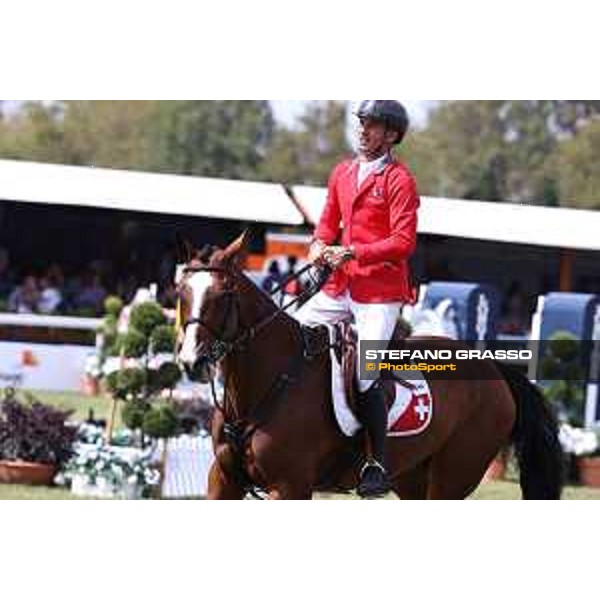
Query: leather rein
x=220 y=347
x=239 y=430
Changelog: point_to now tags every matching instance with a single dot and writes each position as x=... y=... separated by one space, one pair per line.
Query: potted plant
x=93 y=372
x=584 y=447
x=589 y=470
x=109 y=472
x=35 y=441
x=147 y=369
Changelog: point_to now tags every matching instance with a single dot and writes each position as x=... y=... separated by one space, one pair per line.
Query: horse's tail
x=535 y=438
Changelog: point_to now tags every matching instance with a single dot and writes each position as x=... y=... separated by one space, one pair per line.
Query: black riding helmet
x=390 y=112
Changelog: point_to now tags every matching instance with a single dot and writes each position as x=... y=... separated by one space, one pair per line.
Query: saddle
x=344 y=340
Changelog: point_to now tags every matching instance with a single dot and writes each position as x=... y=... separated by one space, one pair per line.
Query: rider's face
x=374 y=139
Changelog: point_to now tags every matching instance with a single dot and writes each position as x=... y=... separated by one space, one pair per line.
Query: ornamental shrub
x=135 y=344
x=35 y=432
x=168 y=375
x=146 y=317
x=162 y=339
x=133 y=413
x=563 y=375
x=126 y=383
x=113 y=305
x=160 y=421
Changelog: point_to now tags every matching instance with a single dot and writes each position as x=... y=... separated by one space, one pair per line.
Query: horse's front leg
x=220 y=487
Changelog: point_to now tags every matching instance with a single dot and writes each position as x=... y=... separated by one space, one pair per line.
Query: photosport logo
x=441 y=359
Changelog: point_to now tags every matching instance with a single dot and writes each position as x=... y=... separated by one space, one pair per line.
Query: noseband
x=219 y=347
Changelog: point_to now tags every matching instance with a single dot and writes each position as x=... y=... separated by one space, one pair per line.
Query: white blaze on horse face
x=198 y=283
x=179 y=273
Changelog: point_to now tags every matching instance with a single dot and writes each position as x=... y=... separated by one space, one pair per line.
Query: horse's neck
x=252 y=370
x=255 y=305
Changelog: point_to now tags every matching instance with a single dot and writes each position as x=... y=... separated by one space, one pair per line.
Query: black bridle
x=239 y=430
x=220 y=347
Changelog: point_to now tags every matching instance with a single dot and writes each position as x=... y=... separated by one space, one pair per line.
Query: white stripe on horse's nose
x=188 y=352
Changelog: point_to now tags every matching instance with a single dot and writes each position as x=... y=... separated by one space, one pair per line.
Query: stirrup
x=372 y=463
x=374 y=481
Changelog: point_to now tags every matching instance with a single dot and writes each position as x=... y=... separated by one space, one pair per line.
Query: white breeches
x=372 y=321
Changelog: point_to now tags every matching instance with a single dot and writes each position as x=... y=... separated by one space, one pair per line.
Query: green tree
x=306 y=154
x=568 y=116
x=33 y=133
x=496 y=150
x=110 y=134
x=219 y=139
x=213 y=139
x=462 y=151
x=577 y=167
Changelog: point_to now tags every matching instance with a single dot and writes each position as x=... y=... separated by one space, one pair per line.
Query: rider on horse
x=374 y=200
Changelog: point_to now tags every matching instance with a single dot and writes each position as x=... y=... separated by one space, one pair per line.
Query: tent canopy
x=147 y=192
x=492 y=221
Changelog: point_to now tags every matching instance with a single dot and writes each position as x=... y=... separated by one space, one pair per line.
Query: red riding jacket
x=380 y=221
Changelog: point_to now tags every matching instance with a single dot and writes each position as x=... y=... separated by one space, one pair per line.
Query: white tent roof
x=146 y=192
x=269 y=203
x=493 y=221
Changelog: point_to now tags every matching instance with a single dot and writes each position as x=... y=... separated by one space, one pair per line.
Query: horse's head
x=208 y=313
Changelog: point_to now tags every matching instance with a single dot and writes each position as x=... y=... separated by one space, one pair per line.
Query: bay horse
x=275 y=428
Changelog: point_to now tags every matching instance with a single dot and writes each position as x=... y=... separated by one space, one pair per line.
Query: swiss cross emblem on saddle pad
x=410 y=402
x=410 y=408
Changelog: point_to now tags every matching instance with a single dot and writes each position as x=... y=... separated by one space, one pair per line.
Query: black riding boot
x=373 y=415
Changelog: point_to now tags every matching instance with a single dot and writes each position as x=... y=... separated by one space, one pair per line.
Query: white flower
x=151 y=477
x=577 y=441
x=92 y=366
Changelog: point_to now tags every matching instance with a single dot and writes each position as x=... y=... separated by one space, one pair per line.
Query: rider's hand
x=316 y=254
x=338 y=255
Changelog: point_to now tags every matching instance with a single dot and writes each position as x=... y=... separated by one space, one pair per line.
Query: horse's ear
x=238 y=249
x=185 y=250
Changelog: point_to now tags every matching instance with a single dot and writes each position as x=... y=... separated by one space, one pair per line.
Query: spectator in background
x=7 y=278
x=168 y=295
x=293 y=287
x=24 y=298
x=92 y=294
x=55 y=273
x=273 y=278
x=166 y=268
x=515 y=319
x=50 y=294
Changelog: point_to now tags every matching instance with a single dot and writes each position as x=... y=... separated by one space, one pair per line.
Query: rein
x=220 y=348
x=238 y=432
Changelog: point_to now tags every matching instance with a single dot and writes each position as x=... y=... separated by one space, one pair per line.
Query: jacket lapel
x=370 y=180
x=366 y=184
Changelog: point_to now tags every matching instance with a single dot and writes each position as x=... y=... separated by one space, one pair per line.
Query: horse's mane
x=265 y=300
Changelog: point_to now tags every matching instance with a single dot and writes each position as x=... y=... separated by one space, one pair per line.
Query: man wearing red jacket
x=374 y=201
